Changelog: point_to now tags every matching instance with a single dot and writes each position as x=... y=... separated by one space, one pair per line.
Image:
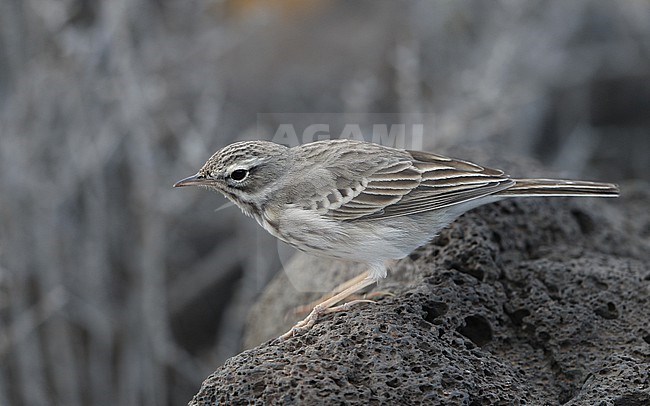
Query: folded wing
x=417 y=183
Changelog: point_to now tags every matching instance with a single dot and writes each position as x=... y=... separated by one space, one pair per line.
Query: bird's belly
x=369 y=241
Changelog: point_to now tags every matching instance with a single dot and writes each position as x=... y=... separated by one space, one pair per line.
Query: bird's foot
x=308 y=322
x=327 y=306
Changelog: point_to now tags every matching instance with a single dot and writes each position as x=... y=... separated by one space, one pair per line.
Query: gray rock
x=527 y=301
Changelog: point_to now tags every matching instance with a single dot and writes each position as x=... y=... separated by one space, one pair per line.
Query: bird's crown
x=244 y=154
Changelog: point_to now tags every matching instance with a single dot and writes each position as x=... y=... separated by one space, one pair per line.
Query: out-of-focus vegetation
x=116 y=289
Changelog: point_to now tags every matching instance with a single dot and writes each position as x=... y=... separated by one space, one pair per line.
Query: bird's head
x=243 y=172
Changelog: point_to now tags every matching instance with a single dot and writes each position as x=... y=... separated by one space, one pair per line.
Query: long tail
x=558 y=187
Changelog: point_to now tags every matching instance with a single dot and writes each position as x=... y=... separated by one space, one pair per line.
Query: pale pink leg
x=340 y=288
x=327 y=307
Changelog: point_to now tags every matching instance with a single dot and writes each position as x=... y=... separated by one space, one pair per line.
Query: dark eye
x=239 y=174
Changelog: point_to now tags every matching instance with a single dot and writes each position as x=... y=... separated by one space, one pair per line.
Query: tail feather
x=557 y=187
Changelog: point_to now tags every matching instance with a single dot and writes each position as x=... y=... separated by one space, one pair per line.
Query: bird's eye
x=239 y=174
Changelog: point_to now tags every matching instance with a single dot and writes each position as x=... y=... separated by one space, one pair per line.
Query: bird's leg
x=327 y=306
x=304 y=309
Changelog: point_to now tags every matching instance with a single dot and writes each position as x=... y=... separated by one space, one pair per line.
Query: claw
x=308 y=322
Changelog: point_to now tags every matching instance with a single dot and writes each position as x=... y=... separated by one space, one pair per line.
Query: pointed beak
x=193 y=180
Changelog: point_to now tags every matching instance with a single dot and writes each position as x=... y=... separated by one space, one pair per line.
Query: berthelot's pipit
x=360 y=201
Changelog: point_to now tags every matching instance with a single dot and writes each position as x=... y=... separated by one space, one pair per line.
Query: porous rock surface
x=526 y=301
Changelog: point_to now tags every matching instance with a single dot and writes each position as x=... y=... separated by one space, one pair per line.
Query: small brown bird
x=360 y=201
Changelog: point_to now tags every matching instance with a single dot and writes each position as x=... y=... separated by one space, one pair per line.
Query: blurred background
x=116 y=288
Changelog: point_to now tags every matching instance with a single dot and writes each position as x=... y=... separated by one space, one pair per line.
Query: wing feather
x=413 y=206
x=415 y=183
